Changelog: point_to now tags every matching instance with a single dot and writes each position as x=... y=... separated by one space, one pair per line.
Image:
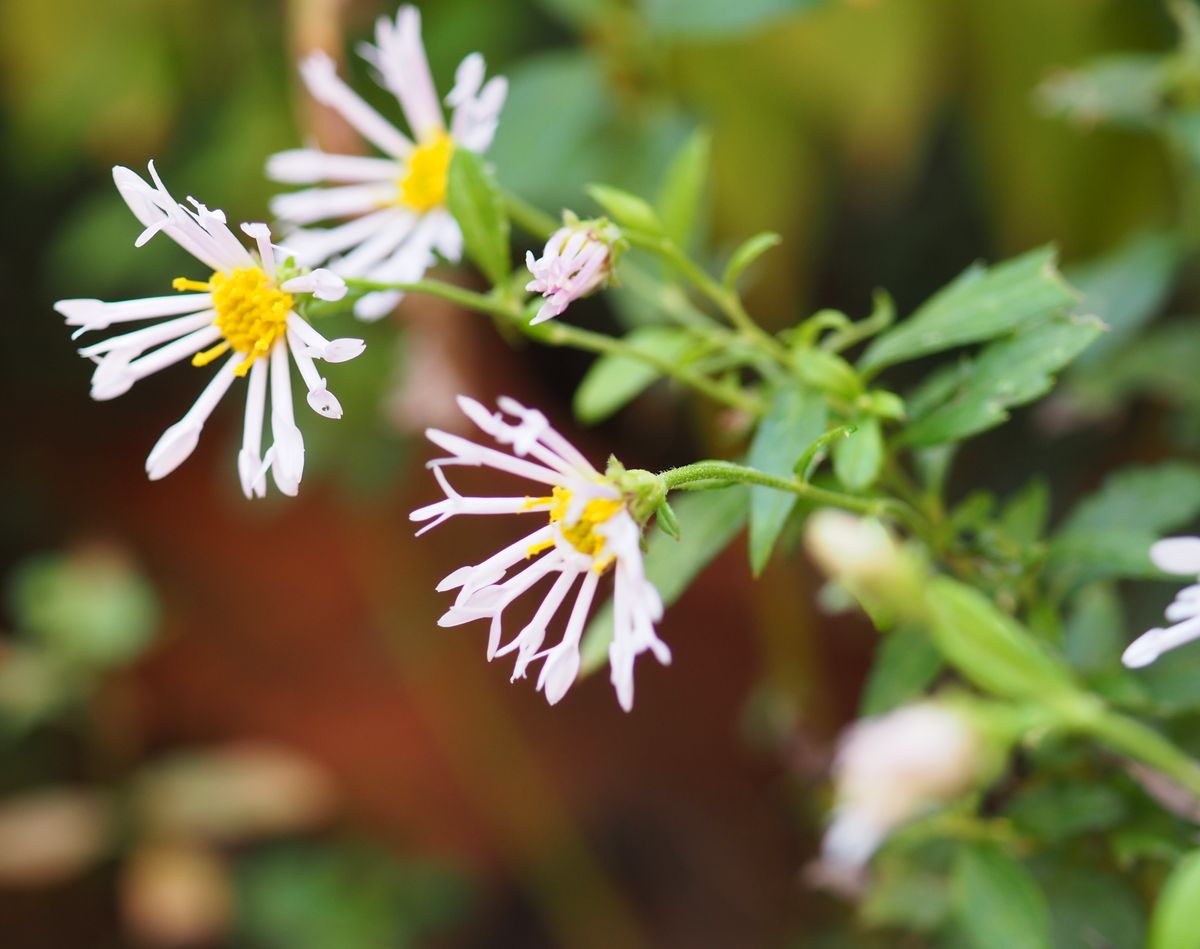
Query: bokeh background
x=225 y=723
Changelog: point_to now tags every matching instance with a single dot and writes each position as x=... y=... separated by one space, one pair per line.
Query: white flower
x=244 y=309
x=395 y=207
x=1180 y=555
x=588 y=532
x=890 y=768
x=576 y=261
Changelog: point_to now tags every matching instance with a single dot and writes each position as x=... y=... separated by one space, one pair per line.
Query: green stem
x=563 y=334
x=725 y=298
x=729 y=472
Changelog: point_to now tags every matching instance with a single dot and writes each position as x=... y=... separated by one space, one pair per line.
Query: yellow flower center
x=422 y=187
x=251 y=313
x=582 y=534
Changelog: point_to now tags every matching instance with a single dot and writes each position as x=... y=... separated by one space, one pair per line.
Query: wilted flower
x=395 y=206
x=1180 y=555
x=245 y=309
x=589 y=532
x=576 y=261
x=890 y=768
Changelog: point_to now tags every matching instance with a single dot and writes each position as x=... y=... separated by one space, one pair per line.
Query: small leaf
x=906 y=662
x=626 y=209
x=1173 y=923
x=1024 y=516
x=708 y=521
x=827 y=372
x=613 y=381
x=988 y=646
x=1007 y=373
x=682 y=190
x=857 y=459
x=747 y=254
x=979 y=305
x=477 y=205
x=794 y=421
x=996 y=900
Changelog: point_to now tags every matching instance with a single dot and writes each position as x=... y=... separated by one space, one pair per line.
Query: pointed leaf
x=747 y=254
x=682 y=190
x=996 y=900
x=795 y=420
x=858 y=458
x=476 y=203
x=979 y=305
x=614 y=381
x=626 y=209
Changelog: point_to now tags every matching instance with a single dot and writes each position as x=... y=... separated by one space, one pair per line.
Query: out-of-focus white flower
x=1179 y=555
x=244 y=309
x=588 y=532
x=394 y=207
x=891 y=768
x=576 y=261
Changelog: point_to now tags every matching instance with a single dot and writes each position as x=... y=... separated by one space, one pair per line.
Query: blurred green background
x=238 y=724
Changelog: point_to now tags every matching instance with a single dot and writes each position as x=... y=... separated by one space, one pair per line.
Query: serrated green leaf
x=746 y=254
x=682 y=190
x=794 y=421
x=980 y=304
x=988 y=646
x=858 y=458
x=626 y=209
x=476 y=203
x=997 y=902
x=708 y=521
x=1173 y=922
x=1125 y=288
x=613 y=381
x=905 y=664
x=698 y=19
x=1006 y=374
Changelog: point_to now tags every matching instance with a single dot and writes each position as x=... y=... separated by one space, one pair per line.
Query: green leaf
x=1125 y=288
x=1109 y=533
x=1007 y=373
x=1125 y=91
x=997 y=902
x=905 y=664
x=979 y=305
x=716 y=19
x=88 y=608
x=988 y=646
x=1024 y=516
x=746 y=254
x=708 y=521
x=1056 y=811
x=682 y=190
x=1095 y=630
x=477 y=205
x=858 y=458
x=1173 y=923
x=626 y=209
x=1093 y=909
x=614 y=381
x=794 y=421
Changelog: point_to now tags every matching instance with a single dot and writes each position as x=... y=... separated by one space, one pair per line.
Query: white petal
x=288 y=465
x=320 y=75
x=98 y=315
x=179 y=441
x=1153 y=643
x=250 y=462
x=1177 y=555
x=321 y=283
x=400 y=59
x=140 y=340
x=319 y=204
x=301 y=166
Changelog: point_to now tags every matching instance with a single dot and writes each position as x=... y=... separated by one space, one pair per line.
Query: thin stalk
x=530 y=219
x=728 y=472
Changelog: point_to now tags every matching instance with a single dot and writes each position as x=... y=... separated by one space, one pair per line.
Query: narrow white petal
x=304 y=166
x=180 y=440
x=319 y=204
x=98 y=315
x=250 y=463
x=469 y=453
x=140 y=340
x=1177 y=555
x=320 y=75
x=109 y=385
x=400 y=59
x=321 y=283
x=288 y=465
x=262 y=237
x=312 y=246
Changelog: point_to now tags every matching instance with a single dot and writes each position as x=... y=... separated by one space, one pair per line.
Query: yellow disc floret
x=251 y=313
x=582 y=534
x=422 y=187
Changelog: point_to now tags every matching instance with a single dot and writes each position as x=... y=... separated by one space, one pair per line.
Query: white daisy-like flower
x=394 y=207
x=245 y=310
x=576 y=261
x=1179 y=555
x=588 y=532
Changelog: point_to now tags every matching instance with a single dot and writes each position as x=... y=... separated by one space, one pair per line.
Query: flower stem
x=726 y=299
x=725 y=472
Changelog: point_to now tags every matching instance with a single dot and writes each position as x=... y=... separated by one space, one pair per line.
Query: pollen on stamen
x=251 y=314
x=422 y=187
